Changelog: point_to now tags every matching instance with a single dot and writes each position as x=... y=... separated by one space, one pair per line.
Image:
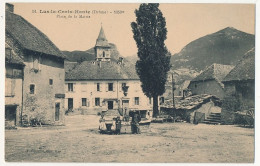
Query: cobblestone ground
x=79 y=141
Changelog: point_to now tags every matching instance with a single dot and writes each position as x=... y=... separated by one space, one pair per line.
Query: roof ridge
x=39 y=33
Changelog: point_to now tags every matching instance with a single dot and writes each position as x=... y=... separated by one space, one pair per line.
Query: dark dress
x=135 y=124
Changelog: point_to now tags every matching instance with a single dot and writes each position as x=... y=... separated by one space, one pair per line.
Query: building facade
x=98 y=85
x=13 y=86
x=209 y=81
x=104 y=94
x=43 y=72
x=239 y=88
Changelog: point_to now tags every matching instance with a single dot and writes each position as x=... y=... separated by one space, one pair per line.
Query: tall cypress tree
x=153 y=64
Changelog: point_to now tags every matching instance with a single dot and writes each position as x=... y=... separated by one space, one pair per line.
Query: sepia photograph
x=129 y=82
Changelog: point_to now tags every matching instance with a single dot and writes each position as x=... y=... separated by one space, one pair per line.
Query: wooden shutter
x=74 y=87
x=88 y=102
x=114 y=87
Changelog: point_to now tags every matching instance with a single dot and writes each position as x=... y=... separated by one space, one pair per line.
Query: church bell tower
x=102 y=48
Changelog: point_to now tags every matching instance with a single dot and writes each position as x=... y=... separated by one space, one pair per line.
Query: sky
x=184 y=22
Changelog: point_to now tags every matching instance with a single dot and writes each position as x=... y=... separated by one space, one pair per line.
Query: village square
x=99 y=106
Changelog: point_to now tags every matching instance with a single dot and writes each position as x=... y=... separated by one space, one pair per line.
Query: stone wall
x=211 y=87
x=41 y=104
x=239 y=96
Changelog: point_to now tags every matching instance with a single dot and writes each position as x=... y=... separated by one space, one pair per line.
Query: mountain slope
x=226 y=46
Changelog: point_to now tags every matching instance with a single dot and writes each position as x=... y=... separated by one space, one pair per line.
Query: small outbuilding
x=210 y=81
x=239 y=88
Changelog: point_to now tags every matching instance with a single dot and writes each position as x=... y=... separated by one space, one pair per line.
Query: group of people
x=116 y=124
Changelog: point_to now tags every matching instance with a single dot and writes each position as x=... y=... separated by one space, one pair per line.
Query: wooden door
x=70 y=103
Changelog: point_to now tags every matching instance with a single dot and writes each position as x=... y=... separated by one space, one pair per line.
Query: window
x=70 y=87
x=97 y=101
x=98 y=87
x=136 y=100
x=32 y=89
x=104 y=54
x=195 y=85
x=50 y=81
x=84 y=101
x=17 y=73
x=110 y=86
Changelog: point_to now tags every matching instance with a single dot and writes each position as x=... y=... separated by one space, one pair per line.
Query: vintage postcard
x=129 y=82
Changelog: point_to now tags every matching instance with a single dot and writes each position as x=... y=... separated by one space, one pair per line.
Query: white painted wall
x=88 y=89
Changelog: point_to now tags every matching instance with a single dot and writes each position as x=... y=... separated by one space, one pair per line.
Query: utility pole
x=173 y=89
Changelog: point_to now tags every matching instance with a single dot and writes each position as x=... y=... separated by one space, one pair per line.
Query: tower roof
x=101 y=35
x=102 y=40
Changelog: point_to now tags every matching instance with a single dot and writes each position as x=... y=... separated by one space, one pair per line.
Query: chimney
x=9 y=7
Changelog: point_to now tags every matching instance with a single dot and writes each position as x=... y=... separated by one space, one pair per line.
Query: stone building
x=13 y=86
x=239 y=88
x=43 y=72
x=102 y=47
x=92 y=86
x=209 y=81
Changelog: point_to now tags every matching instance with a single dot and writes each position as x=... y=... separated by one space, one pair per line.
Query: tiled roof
x=29 y=37
x=11 y=57
x=190 y=102
x=68 y=66
x=244 y=70
x=215 y=71
x=102 y=71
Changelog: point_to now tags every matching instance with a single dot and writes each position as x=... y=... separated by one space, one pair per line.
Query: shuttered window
x=98 y=87
x=110 y=87
x=84 y=101
x=70 y=87
x=97 y=101
x=137 y=101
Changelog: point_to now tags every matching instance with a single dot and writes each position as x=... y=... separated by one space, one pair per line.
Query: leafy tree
x=150 y=33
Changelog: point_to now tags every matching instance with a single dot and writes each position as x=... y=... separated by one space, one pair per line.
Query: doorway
x=110 y=105
x=125 y=106
x=70 y=103
x=125 y=103
x=10 y=115
x=57 y=111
